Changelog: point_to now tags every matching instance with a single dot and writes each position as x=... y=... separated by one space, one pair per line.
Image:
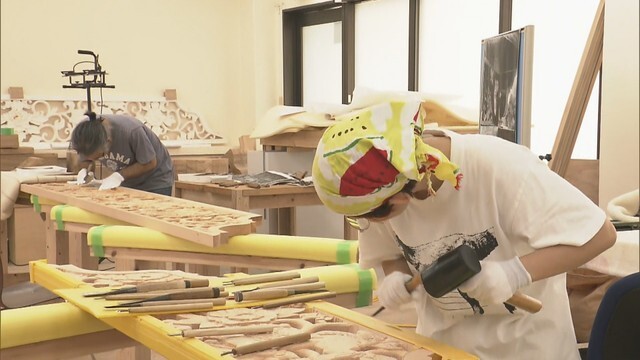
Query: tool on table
x=200 y=293
x=319 y=285
x=176 y=284
x=228 y=330
x=295 y=299
x=302 y=336
x=213 y=302
x=268 y=344
x=265 y=294
x=296 y=281
x=258 y=279
x=196 y=306
x=153 y=294
x=452 y=269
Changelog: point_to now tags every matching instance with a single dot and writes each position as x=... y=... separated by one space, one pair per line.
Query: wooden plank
x=9 y=141
x=585 y=175
x=579 y=96
x=202 y=223
x=307 y=139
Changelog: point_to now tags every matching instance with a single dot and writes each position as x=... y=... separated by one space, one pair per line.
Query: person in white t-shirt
x=526 y=224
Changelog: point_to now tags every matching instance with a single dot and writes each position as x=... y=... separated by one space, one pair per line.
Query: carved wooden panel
x=330 y=336
x=190 y=220
x=42 y=123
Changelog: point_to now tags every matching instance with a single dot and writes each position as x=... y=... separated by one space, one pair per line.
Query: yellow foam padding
x=34 y=324
x=35 y=199
x=37 y=202
x=329 y=250
x=68 y=213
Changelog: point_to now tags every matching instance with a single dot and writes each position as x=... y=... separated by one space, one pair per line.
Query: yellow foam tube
x=343 y=278
x=265 y=245
x=42 y=201
x=74 y=214
x=45 y=322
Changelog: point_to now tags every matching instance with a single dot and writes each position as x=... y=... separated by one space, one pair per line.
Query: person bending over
x=122 y=143
x=527 y=225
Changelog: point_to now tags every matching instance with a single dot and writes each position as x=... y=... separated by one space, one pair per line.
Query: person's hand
x=84 y=177
x=497 y=281
x=112 y=181
x=392 y=292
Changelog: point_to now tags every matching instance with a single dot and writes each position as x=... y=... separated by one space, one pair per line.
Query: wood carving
x=115 y=279
x=190 y=220
x=330 y=336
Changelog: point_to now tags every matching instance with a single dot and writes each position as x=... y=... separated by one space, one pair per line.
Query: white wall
x=619 y=151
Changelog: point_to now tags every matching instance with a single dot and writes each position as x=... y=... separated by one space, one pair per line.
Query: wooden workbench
x=282 y=197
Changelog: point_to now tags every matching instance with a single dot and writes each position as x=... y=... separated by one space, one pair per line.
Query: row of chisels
x=276 y=289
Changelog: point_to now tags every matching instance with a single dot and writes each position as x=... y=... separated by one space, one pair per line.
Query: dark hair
x=89 y=136
x=385 y=208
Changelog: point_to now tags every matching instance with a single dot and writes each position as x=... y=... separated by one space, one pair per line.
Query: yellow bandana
x=370 y=154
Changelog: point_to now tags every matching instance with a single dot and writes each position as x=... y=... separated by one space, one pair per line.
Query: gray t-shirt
x=133 y=142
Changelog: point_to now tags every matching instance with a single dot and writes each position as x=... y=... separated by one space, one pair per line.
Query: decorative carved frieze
x=49 y=123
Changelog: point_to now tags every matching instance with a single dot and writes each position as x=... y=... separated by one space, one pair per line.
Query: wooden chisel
x=228 y=330
x=196 y=306
x=295 y=299
x=302 y=280
x=149 y=295
x=215 y=301
x=268 y=344
x=258 y=279
x=201 y=293
x=264 y=294
x=142 y=288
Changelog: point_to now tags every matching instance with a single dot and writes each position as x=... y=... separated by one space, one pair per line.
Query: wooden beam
x=579 y=96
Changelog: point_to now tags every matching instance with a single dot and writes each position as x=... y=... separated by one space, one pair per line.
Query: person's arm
x=136 y=169
x=554 y=260
x=399 y=264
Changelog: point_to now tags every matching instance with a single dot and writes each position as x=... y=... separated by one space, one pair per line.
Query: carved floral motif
x=40 y=122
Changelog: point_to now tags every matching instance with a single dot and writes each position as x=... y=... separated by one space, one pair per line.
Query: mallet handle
x=414 y=283
x=525 y=302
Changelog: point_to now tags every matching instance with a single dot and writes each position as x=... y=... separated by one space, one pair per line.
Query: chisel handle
x=200 y=293
x=257 y=279
x=214 y=302
x=271 y=343
x=229 y=330
x=196 y=306
x=168 y=285
x=525 y=302
x=302 y=280
x=262 y=294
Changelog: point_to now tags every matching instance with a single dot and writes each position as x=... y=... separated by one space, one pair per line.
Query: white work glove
x=497 y=281
x=112 y=181
x=82 y=174
x=392 y=292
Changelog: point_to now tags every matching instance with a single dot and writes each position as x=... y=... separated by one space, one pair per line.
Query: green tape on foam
x=365 y=292
x=6 y=131
x=58 y=214
x=343 y=252
x=35 y=200
x=96 y=240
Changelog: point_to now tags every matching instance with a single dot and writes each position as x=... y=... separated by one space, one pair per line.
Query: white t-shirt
x=510 y=203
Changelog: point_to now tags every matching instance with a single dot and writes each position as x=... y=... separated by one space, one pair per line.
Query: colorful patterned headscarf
x=370 y=154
